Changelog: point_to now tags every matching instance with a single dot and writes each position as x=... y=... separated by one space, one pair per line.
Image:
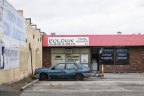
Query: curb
x=29 y=84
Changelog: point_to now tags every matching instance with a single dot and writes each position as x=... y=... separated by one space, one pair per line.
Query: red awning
x=104 y=40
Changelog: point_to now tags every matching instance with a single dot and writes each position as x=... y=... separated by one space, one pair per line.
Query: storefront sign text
x=68 y=41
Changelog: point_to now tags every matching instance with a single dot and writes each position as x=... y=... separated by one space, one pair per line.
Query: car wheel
x=79 y=77
x=43 y=77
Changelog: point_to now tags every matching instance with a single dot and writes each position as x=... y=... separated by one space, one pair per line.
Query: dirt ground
x=15 y=86
x=18 y=85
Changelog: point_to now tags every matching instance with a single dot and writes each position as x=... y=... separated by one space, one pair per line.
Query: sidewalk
x=119 y=76
x=124 y=75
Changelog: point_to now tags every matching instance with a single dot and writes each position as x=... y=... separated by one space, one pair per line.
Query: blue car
x=64 y=71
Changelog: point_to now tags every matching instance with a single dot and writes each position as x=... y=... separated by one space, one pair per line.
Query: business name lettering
x=68 y=41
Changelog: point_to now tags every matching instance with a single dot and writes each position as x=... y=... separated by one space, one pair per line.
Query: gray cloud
x=85 y=16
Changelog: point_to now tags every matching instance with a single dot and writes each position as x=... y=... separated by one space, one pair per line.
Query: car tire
x=79 y=77
x=43 y=77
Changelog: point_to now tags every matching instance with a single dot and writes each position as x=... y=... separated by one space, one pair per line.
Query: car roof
x=67 y=63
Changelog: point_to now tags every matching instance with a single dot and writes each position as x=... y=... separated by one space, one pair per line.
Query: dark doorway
x=95 y=56
x=95 y=59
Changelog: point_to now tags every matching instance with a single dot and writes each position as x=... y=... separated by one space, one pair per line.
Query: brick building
x=118 y=53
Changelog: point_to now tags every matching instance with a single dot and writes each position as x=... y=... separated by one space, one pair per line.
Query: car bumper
x=87 y=75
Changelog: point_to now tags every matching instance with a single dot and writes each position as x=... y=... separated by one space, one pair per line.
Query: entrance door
x=95 y=62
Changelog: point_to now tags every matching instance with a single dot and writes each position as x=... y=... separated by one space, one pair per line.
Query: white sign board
x=9 y=57
x=68 y=41
x=84 y=58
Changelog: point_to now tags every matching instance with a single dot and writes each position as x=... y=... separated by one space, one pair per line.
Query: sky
x=82 y=17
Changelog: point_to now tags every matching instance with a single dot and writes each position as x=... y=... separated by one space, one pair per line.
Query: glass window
x=115 y=56
x=121 y=56
x=107 y=56
x=71 y=66
x=60 y=67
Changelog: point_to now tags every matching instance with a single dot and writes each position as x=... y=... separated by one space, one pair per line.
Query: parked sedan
x=64 y=70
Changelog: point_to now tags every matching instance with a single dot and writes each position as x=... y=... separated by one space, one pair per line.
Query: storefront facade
x=118 y=53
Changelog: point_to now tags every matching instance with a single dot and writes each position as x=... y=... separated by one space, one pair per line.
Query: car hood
x=39 y=70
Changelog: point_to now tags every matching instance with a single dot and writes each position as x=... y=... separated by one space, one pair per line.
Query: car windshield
x=84 y=66
x=52 y=66
x=81 y=65
x=56 y=65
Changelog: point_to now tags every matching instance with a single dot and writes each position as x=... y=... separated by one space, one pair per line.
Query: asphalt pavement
x=130 y=84
x=8 y=91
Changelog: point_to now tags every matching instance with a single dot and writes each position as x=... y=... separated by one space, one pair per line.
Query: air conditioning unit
x=68 y=51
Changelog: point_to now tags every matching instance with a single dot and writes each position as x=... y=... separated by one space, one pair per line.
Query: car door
x=71 y=70
x=57 y=71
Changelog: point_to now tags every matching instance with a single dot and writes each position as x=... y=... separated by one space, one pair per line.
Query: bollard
x=102 y=71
